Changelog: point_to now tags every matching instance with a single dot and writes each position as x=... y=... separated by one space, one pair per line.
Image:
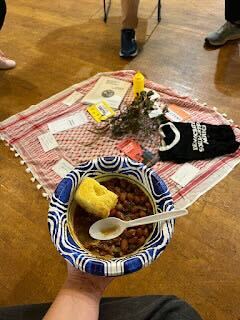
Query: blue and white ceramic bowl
x=61 y=231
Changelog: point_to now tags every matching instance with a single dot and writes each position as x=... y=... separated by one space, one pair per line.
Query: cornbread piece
x=95 y=198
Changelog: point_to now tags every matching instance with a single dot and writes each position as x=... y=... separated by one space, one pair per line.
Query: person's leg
x=231 y=29
x=5 y=63
x=3 y=10
x=147 y=307
x=232 y=11
x=24 y=312
x=129 y=14
x=129 y=24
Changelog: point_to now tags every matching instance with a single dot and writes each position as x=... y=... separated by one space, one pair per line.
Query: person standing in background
x=129 y=24
x=5 y=63
x=231 y=29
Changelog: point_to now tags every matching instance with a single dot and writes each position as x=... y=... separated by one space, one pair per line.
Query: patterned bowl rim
x=61 y=234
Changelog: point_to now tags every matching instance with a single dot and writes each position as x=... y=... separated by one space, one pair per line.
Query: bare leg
x=129 y=14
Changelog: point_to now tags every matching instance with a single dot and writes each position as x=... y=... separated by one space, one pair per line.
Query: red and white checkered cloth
x=76 y=145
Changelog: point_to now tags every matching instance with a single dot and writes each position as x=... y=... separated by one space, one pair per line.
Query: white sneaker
x=6 y=63
x=226 y=32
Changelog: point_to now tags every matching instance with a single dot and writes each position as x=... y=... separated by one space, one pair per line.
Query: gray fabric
x=135 y=308
x=24 y=312
x=147 y=308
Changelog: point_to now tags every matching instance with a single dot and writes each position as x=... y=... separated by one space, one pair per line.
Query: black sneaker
x=128 y=43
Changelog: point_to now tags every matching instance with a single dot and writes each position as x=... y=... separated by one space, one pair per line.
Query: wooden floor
x=63 y=43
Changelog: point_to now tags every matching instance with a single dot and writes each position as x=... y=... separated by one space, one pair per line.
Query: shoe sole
x=7 y=67
x=122 y=55
x=236 y=37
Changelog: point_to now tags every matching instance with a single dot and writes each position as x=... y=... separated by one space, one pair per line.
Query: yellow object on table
x=100 y=111
x=95 y=198
x=138 y=83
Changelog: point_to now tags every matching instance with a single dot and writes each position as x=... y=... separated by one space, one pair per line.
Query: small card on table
x=176 y=113
x=185 y=174
x=100 y=111
x=134 y=151
x=62 y=168
x=70 y=122
x=131 y=148
x=47 y=141
x=73 y=98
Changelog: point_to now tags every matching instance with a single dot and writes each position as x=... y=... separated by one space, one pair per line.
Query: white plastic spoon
x=110 y=228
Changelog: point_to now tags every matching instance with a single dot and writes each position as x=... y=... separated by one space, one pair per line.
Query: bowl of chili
x=141 y=192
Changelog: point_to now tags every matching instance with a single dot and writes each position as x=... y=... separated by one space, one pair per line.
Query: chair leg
x=105 y=12
x=106 y=9
x=159 y=11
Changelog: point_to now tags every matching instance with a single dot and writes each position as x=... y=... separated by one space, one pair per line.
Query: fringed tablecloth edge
x=211 y=181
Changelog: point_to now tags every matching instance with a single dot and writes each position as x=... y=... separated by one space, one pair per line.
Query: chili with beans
x=132 y=203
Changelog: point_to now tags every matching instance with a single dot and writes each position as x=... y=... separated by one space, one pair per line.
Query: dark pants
x=3 y=10
x=136 y=308
x=232 y=10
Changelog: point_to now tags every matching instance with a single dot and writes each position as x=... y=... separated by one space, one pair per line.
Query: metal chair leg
x=159 y=11
x=106 y=9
